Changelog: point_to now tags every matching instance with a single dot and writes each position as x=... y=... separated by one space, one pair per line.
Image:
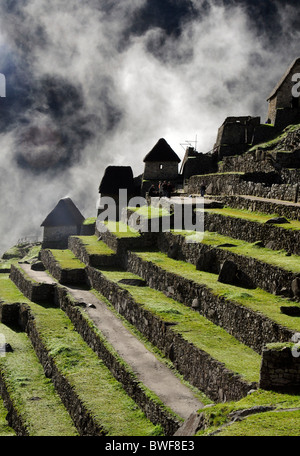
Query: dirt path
x=154 y=374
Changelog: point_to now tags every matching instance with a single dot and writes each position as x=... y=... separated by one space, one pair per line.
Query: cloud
x=89 y=87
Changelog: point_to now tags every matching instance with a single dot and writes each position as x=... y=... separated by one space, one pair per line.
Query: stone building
x=116 y=178
x=235 y=135
x=281 y=97
x=63 y=221
x=197 y=163
x=161 y=163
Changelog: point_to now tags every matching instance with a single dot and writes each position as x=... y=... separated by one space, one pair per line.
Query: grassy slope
x=274 y=142
x=32 y=393
x=121 y=230
x=5 y=430
x=254 y=217
x=17 y=253
x=277 y=258
x=67 y=259
x=195 y=328
x=257 y=299
x=92 y=381
x=275 y=423
x=93 y=246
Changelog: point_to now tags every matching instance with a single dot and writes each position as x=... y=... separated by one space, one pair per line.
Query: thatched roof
x=116 y=178
x=287 y=73
x=162 y=152
x=65 y=213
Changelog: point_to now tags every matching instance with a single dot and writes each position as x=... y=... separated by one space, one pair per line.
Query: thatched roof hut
x=162 y=152
x=63 y=221
x=65 y=213
x=116 y=178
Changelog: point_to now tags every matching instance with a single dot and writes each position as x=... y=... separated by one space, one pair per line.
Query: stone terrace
x=205 y=311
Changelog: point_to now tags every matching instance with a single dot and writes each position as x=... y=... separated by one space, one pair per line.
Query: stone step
x=85 y=385
x=253 y=316
x=288 y=209
x=92 y=251
x=266 y=184
x=100 y=327
x=253 y=227
x=64 y=266
x=165 y=329
x=27 y=393
x=274 y=271
x=146 y=370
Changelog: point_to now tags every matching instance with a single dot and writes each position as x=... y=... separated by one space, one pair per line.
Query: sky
x=94 y=83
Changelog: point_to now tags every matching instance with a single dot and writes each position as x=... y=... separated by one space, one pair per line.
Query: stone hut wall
x=56 y=237
x=283 y=97
x=161 y=170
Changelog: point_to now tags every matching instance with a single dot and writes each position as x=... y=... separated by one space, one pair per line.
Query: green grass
x=195 y=328
x=33 y=395
x=255 y=299
x=90 y=221
x=277 y=258
x=67 y=259
x=149 y=212
x=17 y=253
x=261 y=424
x=267 y=424
x=87 y=374
x=5 y=264
x=273 y=142
x=93 y=246
x=152 y=348
x=150 y=394
x=121 y=229
x=254 y=217
x=5 y=429
x=9 y=292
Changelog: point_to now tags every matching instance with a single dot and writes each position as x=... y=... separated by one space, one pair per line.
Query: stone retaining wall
x=34 y=291
x=265 y=276
x=77 y=247
x=14 y=314
x=197 y=367
x=249 y=162
x=249 y=327
x=154 y=411
x=81 y=417
x=121 y=244
x=13 y=418
x=241 y=184
x=75 y=276
x=280 y=369
x=288 y=211
x=249 y=231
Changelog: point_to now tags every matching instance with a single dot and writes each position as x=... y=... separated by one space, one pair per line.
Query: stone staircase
x=151 y=323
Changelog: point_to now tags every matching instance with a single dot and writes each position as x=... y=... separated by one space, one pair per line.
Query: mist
x=97 y=83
